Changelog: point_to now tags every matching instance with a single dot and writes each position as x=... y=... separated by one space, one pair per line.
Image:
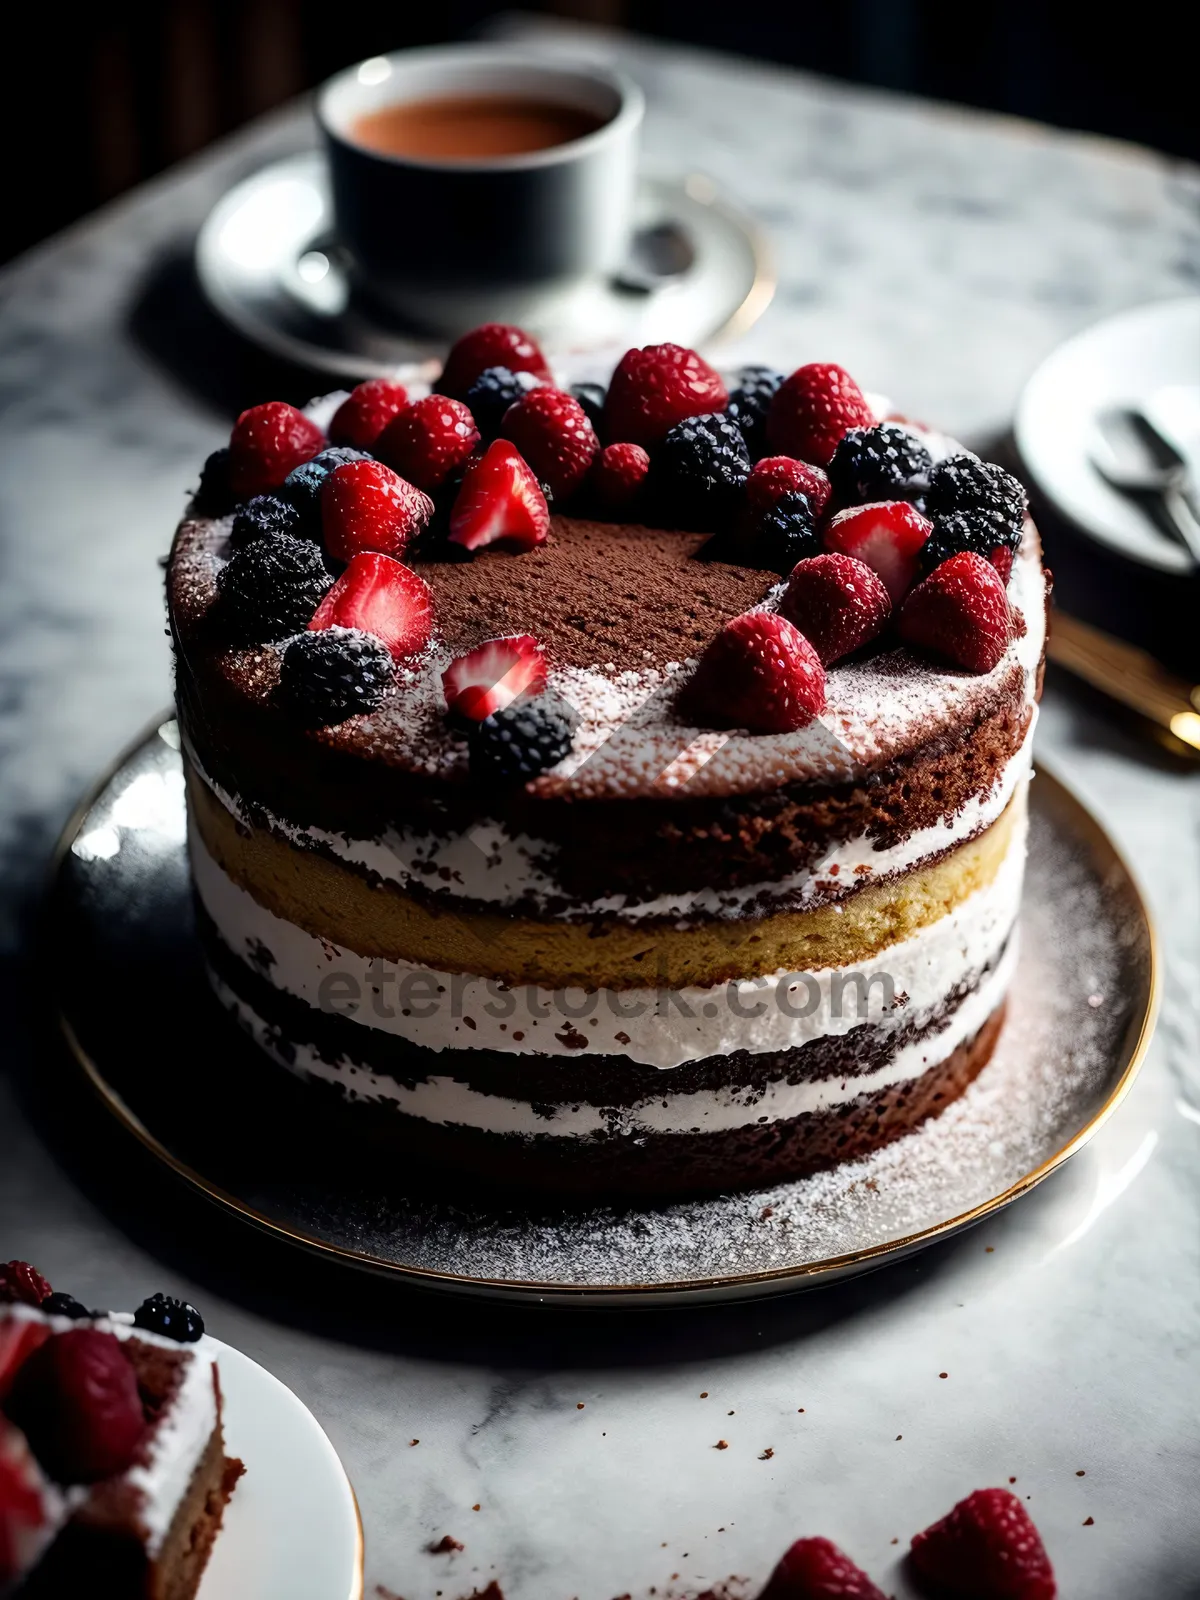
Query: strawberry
x=495 y=344
x=887 y=536
x=267 y=442
x=774 y=476
x=28 y=1516
x=76 y=1400
x=366 y=412
x=815 y=1569
x=494 y=675
x=428 y=439
x=378 y=595
x=959 y=613
x=500 y=503
x=987 y=1548
x=654 y=388
x=813 y=409
x=366 y=506
x=839 y=604
x=552 y=431
x=18 y=1340
x=617 y=476
x=21 y=1284
x=760 y=673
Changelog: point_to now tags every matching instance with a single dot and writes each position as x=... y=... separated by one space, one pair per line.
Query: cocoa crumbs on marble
x=767 y=1454
x=446 y=1545
x=1089 y=1522
x=721 y=1444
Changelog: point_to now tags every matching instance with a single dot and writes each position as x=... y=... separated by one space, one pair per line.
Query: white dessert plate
x=1149 y=357
x=1080 y=1018
x=269 y=262
x=292 y=1529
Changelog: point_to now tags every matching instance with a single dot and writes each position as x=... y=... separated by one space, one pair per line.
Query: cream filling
x=655 y=1027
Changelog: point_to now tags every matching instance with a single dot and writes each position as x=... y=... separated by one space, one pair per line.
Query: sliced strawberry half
x=760 y=673
x=494 y=675
x=500 y=503
x=383 y=597
x=18 y=1340
x=367 y=506
x=887 y=536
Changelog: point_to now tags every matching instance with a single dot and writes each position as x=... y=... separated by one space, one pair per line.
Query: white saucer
x=1153 y=350
x=292 y=1529
x=267 y=259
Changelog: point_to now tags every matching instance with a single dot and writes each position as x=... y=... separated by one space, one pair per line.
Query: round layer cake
x=675 y=938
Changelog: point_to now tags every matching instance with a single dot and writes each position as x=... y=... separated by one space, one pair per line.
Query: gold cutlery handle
x=1127 y=675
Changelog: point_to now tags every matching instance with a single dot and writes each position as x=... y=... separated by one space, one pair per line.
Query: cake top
x=667 y=585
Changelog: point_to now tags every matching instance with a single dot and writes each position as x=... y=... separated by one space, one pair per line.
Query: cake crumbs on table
x=721 y=1444
x=445 y=1546
x=1089 y=1522
x=767 y=1454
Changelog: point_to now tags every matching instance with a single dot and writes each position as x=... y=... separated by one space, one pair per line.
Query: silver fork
x=1131 y=454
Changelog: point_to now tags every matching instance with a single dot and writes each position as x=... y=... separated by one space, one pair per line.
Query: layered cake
x=113 y=1472
x=613 y=791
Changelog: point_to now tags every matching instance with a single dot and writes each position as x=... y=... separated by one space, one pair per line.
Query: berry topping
x=815 y=1569
x=618 y=474
x=812 y=411
x=366 y=412
x=494 y=675
x=268 y=441
x=699 y=471
x=22 y=1284
x=750 y=401
x=76 y=1401
x=987 y=1548
x=523 y=740
x=18 y=1341
x=64 y=1305
x=27 y=1521
x=333 y=673
x=494 y=390
x=174 y=1319
x=591 y=397
x=760 y=673
x=500 y=503
x=262 y=518
x=271 y=587
x=775 y=539
x=971 y=530
x=379 y=595
x=959 y=613
x=887 y=536
x=839 y=604
x=551 y=430
x=778 y=475
x=366 y=506
x=964 y=483
x=215 y=495
x=426 y=441
x=654 y=388
x=495 y=344
x=886 y=462
x=303 y=486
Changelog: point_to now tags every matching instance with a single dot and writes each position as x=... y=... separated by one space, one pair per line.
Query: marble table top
x=937 y=254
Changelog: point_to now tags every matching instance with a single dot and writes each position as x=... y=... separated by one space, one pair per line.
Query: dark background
x=98 y=99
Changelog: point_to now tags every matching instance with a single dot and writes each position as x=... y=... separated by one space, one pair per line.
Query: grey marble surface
x=938 y=255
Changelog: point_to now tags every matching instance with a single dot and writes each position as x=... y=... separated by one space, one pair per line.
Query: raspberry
x=494 y=675
x=987 y=1548
x=618 y=475
x=971 y=530
x=750 y=401
x=964 y=483
x=886 y=462
x=381 y=596
x=268 y=441
x=21 y=1284
x=500 y=502
x=215 y=496
x=270 y=588
x=495 y=344
x=699 y=472
x=262 y=518
x=959 y=613
x=888 y=537
x=813 y=409
x=426 y=441
x=777 y=475
x=838 y=604
x=366 y=412
x=174 y=1319
x=815 y=1569
x=760 y=673
x=591 y=397
x=494 y=390
x=551 y=430
x=775 y=539
x=654 y=388
x=365 y=506
x=76 y=1401
x=333 y=674
x=522 y=740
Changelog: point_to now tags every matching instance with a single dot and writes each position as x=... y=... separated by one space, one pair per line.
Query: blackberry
x=591 y=397
x=271 y=588
x=749 y=403
x=59 y=1304
x=886 y=462
x=524 y=739
x=303 y=484
x=964 y=483
x=783 y=535
x=262 y=518
x=966 y=530
x=333 y=673
x=215 y=496
x=699 y=471
x=494 y=390
x=174 y=1319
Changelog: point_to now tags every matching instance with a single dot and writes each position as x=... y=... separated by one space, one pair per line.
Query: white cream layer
x=439 y=1011
x=448 y=1102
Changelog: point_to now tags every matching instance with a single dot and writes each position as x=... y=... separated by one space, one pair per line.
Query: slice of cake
x=113 y=1472
x=611 y=792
